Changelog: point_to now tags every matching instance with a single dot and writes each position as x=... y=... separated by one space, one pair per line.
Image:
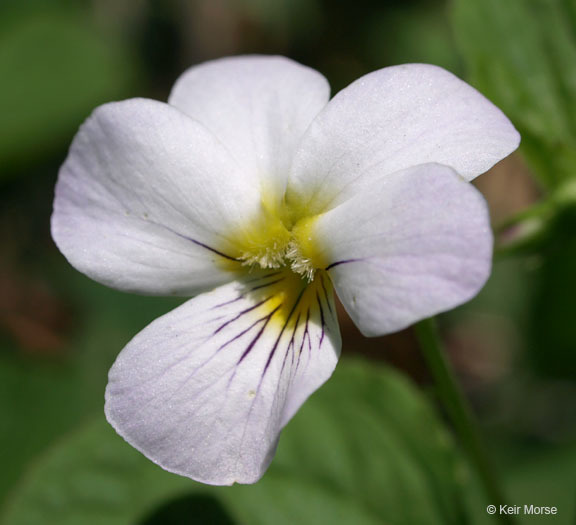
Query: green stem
x=459 y=412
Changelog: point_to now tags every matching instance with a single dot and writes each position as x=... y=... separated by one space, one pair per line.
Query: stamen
x=279 y=255
x=272 y=243
x=298 y=263
x=268 y=257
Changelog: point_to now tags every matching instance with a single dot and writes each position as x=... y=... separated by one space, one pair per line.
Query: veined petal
x=413 y=244
x=396 y=118
x=259 y=106
x=145 y=198
x=205 y=390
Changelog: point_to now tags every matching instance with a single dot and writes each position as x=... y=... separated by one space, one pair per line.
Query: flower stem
x=459 y=412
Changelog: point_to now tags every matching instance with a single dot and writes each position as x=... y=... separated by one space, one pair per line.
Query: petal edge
x=415 y=244
x=205 y=390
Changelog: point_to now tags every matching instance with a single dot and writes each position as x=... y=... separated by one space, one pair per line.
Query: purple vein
x=337 y=263
x=258 y=335
x=266 y=284
x=294 y=306
x=266 y=319
x=198 y=243
x=243 y=312
x=322 y=320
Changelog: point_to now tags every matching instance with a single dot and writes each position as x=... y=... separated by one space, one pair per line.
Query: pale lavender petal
x=415 y=243
x=205 y=390
x=258 y=106
x=396 y=118
x=147 y=201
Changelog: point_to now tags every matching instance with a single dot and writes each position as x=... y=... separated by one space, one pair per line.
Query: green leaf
x=552 y=331
x=521 y=55
x=410 y=33
x=366 y=449
x=547 y=479
x=41 y=399
x=535 y=475
x=55 y=67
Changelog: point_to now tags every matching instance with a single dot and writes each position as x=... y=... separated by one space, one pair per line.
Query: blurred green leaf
x=55 y=67
x=552 y=331
x=534 y=477
x=369 y=433
x=508 y=294
x=547 y=479
x=521 y=55
x=40 y=399
x=410 y=33
x=366 y=449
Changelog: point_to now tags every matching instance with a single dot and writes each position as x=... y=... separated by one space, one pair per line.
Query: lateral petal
x=413 y=244
x=395 y=118
x=259 y=106
x=205 y=390
x=146 y=198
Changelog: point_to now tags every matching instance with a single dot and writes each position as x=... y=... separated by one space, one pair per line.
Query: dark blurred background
x=513 y=347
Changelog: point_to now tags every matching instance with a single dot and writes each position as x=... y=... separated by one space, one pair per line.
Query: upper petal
x=259 y=107
x=205 y=390
x=416 y=243
x=396 y=118
x=147 y=198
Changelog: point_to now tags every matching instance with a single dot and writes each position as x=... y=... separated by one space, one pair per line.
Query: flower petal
x=145 y=198
x=415 y=243
x=259 y=106
x=396 y=118
x=205 y=390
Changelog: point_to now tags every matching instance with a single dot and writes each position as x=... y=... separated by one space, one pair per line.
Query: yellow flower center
x=277 y=239
x=282 y=239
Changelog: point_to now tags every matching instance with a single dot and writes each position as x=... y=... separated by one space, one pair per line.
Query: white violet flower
x=253 y=192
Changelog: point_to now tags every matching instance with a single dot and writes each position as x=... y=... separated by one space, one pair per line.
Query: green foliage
x=521 y=55
x=366 y=449
x=55 y=67
x=540 y=478
x=547 y=480
x=411 y=33
x=552 y=332
x=42 y=399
